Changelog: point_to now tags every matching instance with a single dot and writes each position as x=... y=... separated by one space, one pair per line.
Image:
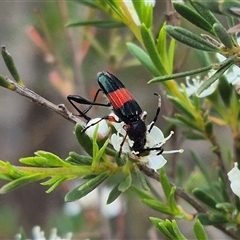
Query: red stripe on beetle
x=119 y=97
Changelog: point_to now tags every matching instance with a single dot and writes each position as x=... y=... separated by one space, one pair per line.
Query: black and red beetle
x=124 y=106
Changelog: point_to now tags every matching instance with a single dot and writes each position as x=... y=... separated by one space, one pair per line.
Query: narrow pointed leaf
x=20 y=182
x=165 y=182
x=214 y=77
x=172 y=202
x=225 y=90
x=45 y=159
x=125 y=183
x=142 y=179
x=183 y=107
x=86 y=188
x=192 y=16
x=222 y=34
x=204 y=11
x=194 y=135
x=11 y=65
x=151 y=49
x=199 y=231
x=77 y=159
x=162 y=44
x=84 y=140
x=114 y=194
x=179 y=75
x=191 y=39
x=143 y=58
x=158 y=206
x=140 y=193
x=205 y=198
x=96 y=23
x=6 y=84
x=178 y=234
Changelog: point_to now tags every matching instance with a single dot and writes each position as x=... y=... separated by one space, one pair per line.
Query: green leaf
x=192 y=16
x=141 y=194
x=96 y=23
x=176 y=230
x=176 y=122
x=151 y=49
x=179 y=104
x=11 y=65
x=213 y=219
x=6 y=84
x=55 y=182
x=194 y=135
x=161 y=47
x=179 y=75
x=163 y=227
x=45 y=159
x=216 y=75
x=142 y=179
x=199 y=231
x=168 y=228
x=76 y=159
x=21 y=182
x=218 y=218
x=172 y=202
x=204 y=11
x=97 y=153
x=125 y=183
x=143 y=58
x=225 y=90
x=165 y=182
x=226 y=206
x=205 y=198
x=158 y=206
x=186 y=122
x=86 y=188
x=191 y=39
x=83 y=139
x=114 y=194
x=223 y=36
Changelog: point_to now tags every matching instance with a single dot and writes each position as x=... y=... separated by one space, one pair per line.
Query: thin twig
x=179 y=191
x=59 y=109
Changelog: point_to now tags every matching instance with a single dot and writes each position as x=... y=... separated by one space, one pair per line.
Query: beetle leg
x=157 y=112
x=81 y=100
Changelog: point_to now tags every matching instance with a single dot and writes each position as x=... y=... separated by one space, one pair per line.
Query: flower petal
x=234 y=178
x=156 y=161
x=103 y=129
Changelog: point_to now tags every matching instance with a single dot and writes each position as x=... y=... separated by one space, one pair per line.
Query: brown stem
x=216 y=150
x=187 y=197
x=179 y=191
x=59 y=109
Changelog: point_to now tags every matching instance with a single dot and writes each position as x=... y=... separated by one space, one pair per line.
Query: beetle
x=124 y=106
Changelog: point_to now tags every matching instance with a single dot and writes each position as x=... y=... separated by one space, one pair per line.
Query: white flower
x=132 y=11
x=232 y=74
x=154 y=139
x=193 y=86
x=103 y=128
x=234 y=178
